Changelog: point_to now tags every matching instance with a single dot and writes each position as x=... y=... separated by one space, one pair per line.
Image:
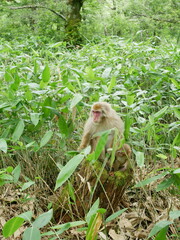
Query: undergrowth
x=45 y=97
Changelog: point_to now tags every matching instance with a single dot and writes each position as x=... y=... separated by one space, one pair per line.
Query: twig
x=38 y=6
x=157 y=19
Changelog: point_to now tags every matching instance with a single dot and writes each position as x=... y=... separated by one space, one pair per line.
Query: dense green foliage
x=128 y=57
x=136 y=19
x=41 y=81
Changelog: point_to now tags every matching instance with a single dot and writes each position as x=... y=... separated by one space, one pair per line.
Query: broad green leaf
x=93 y=210
x=46 y=74
x=162 y=234
x=34 y=118
x=47 y=136
x=63 y=127
x=158 y=227
x=177 y=113
x=26 y=215
x=149 y=180
x=176 y=84
x=112 y=84
x=101 y=143
x=8 y=77
x=32 y=233
x=18 y=130
x=9 y=169
x=43 y=219
x=162 y=156
x=130 y=99
x=3 y=145
x=177 y=171
x=68 y=170
x=139 y=159
x=27 y=185
x=160 y=113
x=165 y=184
x=174 y=214
x=76 y=99
x=12 y=225
x=16 y=173
x=115 y=215
x=90 y=73
x=106 y=72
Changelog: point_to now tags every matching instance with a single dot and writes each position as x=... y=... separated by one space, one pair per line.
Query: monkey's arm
x=85 y=141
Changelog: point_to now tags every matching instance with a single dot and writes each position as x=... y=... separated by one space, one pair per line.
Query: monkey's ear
x=105 y=111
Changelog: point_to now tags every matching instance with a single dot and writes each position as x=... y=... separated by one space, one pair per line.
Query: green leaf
x=71 y=191
x=139 y=159
x=149 y=180
x=158 y=227
x=115 y=215
x=106 y=72
x=46 y=74
x=130 y=99
x=174 y=214
x=16 y=173
x=162 y=156
x=165 y=184
x=177 y=171
x=32 y=233
x=128 y=122
x=34 y=118
x=112 y=84
x=101 y=143
x=63 y=127
x=27 y=185
x=26 y=215
x=160 y=113
x=47 y=136
x=69 y=225
x=93 y=210
x=18 y=131
x=43 y=219
x=68 y=170
x=176 y=84
x=76 y=99
x=3 y=145
x=162 y=234
x=177 y=113
x=66 y=226
x=93 y=226
x=12 y=225
x=90 y=73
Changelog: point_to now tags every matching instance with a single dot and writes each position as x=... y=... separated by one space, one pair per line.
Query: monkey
x=122 y=156
x=102 y=117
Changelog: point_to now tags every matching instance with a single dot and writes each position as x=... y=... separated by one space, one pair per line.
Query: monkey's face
x=97 y=116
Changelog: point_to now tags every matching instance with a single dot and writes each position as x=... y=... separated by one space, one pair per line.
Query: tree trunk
x=73 y=22
x=89 y=183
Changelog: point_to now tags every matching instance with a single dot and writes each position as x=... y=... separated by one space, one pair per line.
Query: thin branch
x=38 y=6
x=157 y=19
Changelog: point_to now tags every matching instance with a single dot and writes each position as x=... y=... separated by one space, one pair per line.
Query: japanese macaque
x=102 y=117
x=122 y=157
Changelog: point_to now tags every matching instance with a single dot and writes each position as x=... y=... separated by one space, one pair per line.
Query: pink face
x=96 y=115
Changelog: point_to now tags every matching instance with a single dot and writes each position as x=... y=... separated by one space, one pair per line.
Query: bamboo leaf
x=18 y=131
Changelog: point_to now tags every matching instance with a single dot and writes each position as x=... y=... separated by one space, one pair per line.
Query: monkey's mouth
x=96 y=116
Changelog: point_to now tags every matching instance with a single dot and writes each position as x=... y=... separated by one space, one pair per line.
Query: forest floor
x=145 y=206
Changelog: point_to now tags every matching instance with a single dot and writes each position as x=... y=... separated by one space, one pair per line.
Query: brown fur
x=107 y=120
